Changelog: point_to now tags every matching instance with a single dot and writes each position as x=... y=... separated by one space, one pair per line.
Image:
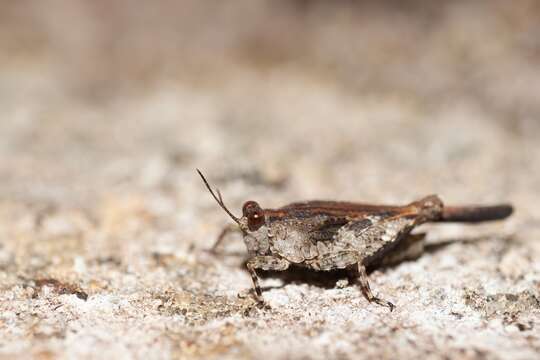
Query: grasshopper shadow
x=300 y=275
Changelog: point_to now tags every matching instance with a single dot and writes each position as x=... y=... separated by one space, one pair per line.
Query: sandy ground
x=107 y=109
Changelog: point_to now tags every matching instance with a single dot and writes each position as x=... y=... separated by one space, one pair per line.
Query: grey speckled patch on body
x=292 y=244
x=368 y=238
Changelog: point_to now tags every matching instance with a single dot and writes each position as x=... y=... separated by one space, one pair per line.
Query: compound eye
x=254 y=214
x=255 y=221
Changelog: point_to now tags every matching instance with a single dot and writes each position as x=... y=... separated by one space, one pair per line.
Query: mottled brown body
x=327 y=235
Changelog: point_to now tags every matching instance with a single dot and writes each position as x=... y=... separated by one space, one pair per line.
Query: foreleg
x=264 y=263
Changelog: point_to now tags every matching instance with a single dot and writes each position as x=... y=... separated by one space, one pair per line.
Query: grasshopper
x=329 y=235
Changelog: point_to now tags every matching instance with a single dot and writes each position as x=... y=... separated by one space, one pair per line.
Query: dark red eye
x=255 y=215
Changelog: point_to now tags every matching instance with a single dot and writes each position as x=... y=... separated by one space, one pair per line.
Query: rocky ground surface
x=104 y=225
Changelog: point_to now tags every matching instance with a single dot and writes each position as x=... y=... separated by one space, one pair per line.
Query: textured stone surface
x=108 y=108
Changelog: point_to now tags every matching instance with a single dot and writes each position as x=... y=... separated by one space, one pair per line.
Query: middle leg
x=366 y=290
x=344 y=259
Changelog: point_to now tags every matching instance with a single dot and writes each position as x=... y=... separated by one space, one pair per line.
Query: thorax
x=257 y=242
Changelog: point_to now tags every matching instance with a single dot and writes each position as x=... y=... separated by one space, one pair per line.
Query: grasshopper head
x=253 y=218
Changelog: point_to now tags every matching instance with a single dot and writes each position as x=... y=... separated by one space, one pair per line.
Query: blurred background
x=331 y=98
x=107 y=108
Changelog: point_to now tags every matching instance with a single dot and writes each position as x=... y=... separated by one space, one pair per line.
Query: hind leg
x=410 y=248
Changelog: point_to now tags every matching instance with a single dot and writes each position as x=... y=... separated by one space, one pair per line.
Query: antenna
x=218 y=198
